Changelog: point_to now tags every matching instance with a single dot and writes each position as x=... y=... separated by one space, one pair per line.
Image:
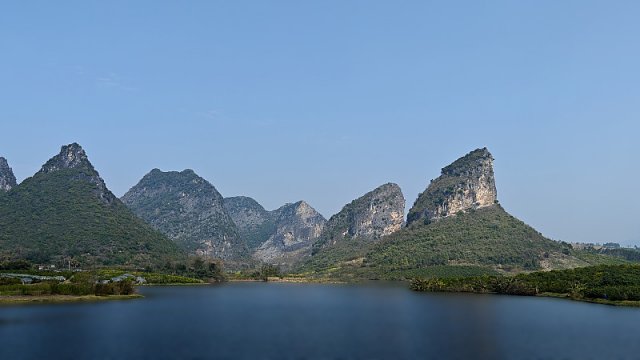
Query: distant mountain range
x=456 y=225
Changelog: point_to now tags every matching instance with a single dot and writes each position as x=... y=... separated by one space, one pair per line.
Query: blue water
x=312 y=321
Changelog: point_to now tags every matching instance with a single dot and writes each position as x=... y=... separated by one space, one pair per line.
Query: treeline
x=15 y=265
x=195 y=267
x=632 y=255
x=606 y=282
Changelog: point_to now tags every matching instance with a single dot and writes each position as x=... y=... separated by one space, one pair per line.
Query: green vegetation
x=483 y=241
x=64 y=216
x=91 y=285
x=486 y=241
x=79 y=284
x=622 y=254
x=484 y=237
x=196 y=267
x=600 y=283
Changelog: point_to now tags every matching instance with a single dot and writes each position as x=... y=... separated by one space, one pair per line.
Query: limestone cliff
x=297 y=226
x=7 y=179
x=189 y=210
x=378 y=213
x=468 y=183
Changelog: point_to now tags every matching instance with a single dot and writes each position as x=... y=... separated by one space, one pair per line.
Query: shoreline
x=624 y=303
x=294 y=280
x=621 y=303
x=56 y=299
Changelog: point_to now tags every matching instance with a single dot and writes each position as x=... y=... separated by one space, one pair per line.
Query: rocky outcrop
x=189 y=210
x=255 y=224
x=468 y=183
x=378 y=213
x=297 y=226
x=7 y=179
x=73 y=157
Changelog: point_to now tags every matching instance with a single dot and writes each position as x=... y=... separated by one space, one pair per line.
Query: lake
x=319 y=321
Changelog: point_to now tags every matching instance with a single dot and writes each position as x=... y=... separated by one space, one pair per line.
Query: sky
x=326 y=100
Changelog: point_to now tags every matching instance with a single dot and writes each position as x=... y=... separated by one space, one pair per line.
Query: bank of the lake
x=54 y=299
x=28 y=286
x=604 y=284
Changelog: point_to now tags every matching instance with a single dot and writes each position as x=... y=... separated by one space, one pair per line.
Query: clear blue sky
x=325 y=100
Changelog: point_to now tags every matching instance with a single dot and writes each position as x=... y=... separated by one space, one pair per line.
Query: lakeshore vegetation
x=614 y=284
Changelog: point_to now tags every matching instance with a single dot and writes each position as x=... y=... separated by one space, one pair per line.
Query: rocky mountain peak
x=467 y=183
x=377 y=213
x=304 y=210
x=296 y=226
x=74 y=157
x=189 y=210
x=71 y=156
x=7 y=179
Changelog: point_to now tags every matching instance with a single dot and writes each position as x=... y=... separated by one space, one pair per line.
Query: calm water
x=309 y=321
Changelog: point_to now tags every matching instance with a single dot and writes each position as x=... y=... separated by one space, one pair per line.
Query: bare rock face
x=189 y=210
x=378 y=213
x=297 y=226
x=71 y=156
x=7 y=179
x=468 y=183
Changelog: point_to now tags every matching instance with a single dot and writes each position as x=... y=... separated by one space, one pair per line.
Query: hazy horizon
x=323 y=102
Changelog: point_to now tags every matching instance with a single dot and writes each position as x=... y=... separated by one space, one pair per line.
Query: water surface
x=319 y=321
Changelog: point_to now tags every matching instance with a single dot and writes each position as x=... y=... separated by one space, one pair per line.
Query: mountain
x=468 y=183
x=189 y=210
x=455 y=227
x=297 y=226
x=7 y=179
x=350 y=233
x=378 y=213
x=66 y=212
x=255 y=224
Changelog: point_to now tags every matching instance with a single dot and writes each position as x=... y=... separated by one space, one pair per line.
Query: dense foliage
x=58 y=217
x=195 y=267
x=78 y=285
x=627 y=254
x=488 y=236
x=606 y=282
